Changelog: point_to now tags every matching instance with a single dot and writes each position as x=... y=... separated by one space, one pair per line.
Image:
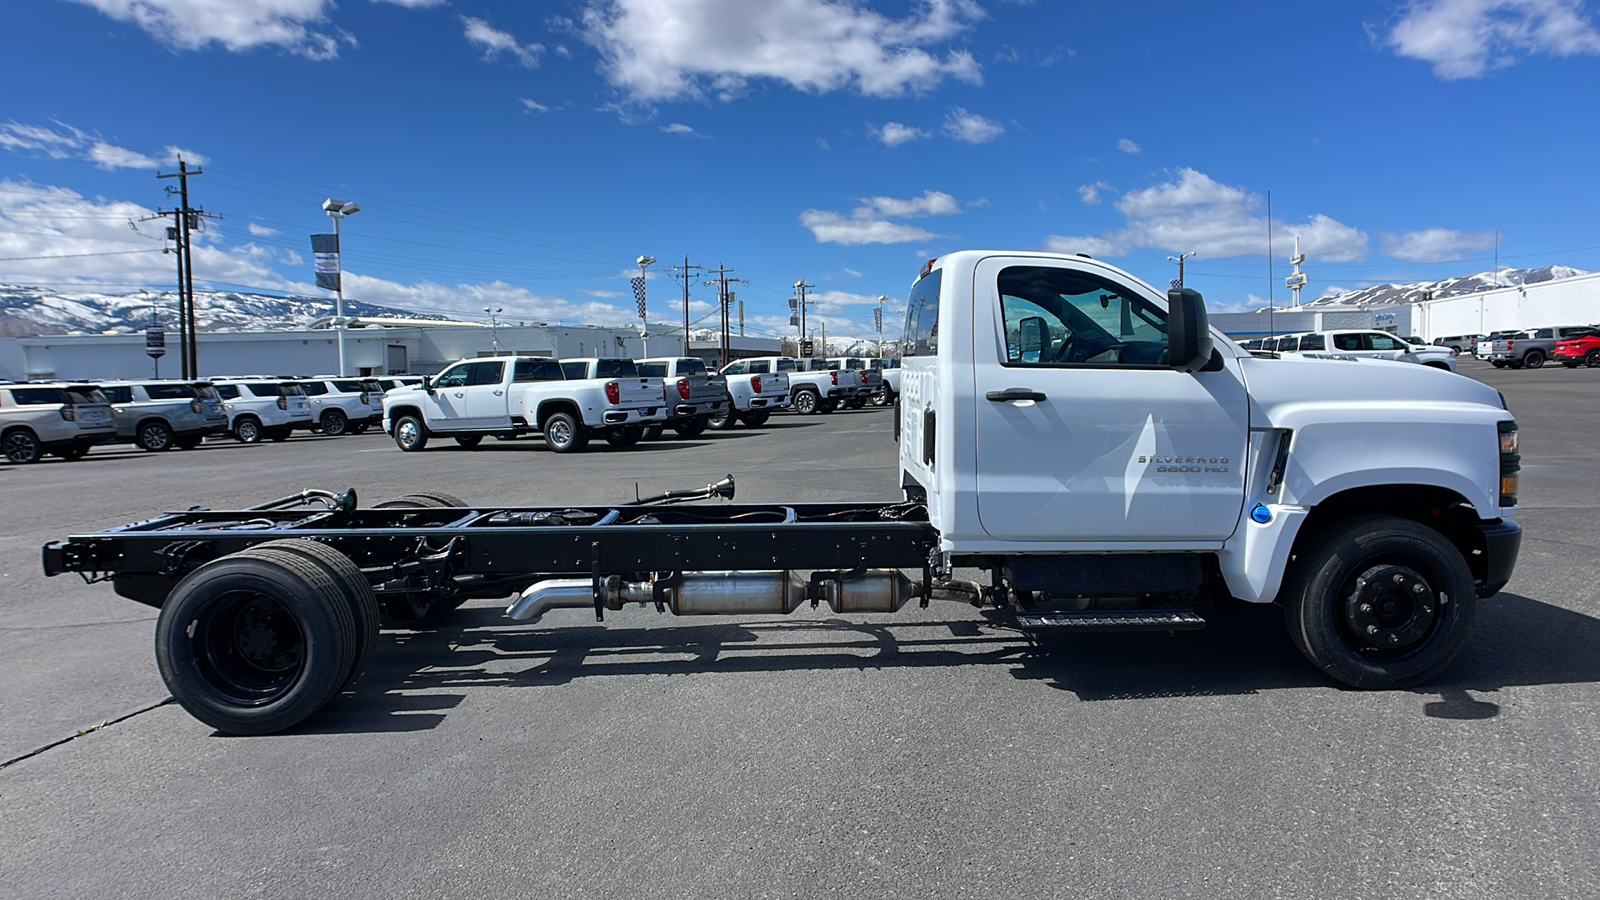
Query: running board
x=1113 y=620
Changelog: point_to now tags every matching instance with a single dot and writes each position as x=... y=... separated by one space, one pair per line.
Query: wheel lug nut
x=1372 y=629
x=1366 y=607
x=1419 y=588
x=1397 y=578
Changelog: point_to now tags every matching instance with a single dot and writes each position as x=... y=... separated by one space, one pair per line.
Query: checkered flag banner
x=877 y=318
x=638 y=293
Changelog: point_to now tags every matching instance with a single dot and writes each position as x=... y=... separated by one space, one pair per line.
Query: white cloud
x=232 y=24
x=893 y=134
x=970 y=127
x=533 y=106
x=1127 y=146
x=1195 y=213
x=67 y=142
x=1467 y=38
x=680 y=128
x=1090 y=193
x=931 y=203
x=852 y=272
x=493 y=42
x=413 y=4
x=261 y=230
x=870 y=222
x=1436 y=244
x=670 y=49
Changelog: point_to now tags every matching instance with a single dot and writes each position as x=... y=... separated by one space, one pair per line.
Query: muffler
x=728 y=593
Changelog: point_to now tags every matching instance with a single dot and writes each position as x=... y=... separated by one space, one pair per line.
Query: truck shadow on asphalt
x=417 y=676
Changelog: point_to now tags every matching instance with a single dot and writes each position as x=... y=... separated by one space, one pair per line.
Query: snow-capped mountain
x=25 y=312
x=1401 y=294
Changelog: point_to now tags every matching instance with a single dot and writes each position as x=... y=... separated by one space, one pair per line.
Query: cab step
x=1112 y=619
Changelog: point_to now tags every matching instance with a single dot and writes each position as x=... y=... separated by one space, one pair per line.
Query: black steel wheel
x=624 y=435
x=690 y=427
x=563 y=433
x=469 y=440
x=154 y=436
x=334 y=423
x=357 y=592
x=1380 y=602
x=755 y=418
x=255 y=643
x=247 y=429
x=806 y=401
x=22 y=446
x=410 y=434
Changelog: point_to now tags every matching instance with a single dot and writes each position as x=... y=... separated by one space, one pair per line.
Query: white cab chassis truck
x=507 y=396
x=1091 y=445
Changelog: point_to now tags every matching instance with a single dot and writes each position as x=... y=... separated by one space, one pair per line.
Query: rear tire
x=755 y=418
x=622 y=436
x=247 y=430
x=155 y=437
x=652 y=432
x=806 y=401
x=255 y=643
x=469 y=440
x=563 y=433
x=335 y=423
x=1380 y=602
x=359 y=428
x=410 y=434
x=355 y=587
x=1534 y=359
x=1592 y=360
x=724 y=420
x=691 y=428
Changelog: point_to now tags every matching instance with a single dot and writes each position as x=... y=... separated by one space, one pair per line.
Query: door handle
x=460 y=393
x=1009 y=394
x=499 y=393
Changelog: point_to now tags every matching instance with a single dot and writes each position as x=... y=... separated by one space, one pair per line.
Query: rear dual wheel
x=691 y=427
x=257 y=641
x=624 y=435
x=755 y=418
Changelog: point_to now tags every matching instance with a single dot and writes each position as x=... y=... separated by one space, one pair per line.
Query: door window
x=1063 y=317
x=1313 y=342
x=1347 y=342
x=537 y=370
x=454 y=377
x=487 y=373
x=123 y=394
x=1376 y=341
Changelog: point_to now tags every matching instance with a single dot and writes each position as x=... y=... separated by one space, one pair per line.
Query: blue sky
x=522 y=155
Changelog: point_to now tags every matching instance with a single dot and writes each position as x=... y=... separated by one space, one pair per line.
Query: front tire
x=755 y=418
x=335 y=423
x=410 y=434
x=22 y=446
x=1380 y=602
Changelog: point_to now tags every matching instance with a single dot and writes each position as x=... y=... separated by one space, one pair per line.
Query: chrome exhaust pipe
x=552 y=593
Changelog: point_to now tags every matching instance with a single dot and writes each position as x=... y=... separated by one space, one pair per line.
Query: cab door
x=1083 y=433
x=486 y=405
x=447 y=398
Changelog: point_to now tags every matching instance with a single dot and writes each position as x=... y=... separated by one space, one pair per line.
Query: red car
x=1581 y=349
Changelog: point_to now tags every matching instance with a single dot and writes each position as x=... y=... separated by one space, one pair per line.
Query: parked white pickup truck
x=815 y=386
x=514 y=395
x=693 y=394
x=889 y=391
x=871 y=379
x=755 y=389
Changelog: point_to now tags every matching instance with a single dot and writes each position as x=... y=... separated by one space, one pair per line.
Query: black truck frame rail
x=495 y=551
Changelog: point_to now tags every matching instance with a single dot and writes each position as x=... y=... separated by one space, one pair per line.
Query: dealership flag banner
x=325 y=260
x=638 y=294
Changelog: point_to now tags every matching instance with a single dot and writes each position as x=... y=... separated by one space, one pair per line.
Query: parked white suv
x=57 y=418
x=263 y=408
x=341 y=405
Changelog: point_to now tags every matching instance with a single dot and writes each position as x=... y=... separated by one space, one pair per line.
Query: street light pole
x=881 y=301
x=646 y=262
x=494 y=329
x=1179 y=260
x=337 y=210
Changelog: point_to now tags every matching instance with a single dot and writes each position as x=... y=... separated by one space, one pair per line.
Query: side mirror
x=1031 y=335
x=1188 y=331
x=427 y=383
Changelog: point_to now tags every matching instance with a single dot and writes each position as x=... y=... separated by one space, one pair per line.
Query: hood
x=1279 y=387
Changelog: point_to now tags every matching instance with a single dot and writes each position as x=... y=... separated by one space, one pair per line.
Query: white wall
x=1567 y=301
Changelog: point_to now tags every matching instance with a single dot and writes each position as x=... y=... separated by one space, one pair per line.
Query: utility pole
x=723 y=298
x=188 y=219
x=802 y=286
x=1179 y=260
x=686 y=272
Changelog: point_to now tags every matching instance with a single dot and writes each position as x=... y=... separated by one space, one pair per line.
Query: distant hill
x=27 y=312
x=1401 y=294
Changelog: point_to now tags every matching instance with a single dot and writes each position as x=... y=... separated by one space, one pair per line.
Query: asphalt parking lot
x=926 y=754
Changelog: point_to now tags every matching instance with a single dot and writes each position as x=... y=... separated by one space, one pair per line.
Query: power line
x=80 y=255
